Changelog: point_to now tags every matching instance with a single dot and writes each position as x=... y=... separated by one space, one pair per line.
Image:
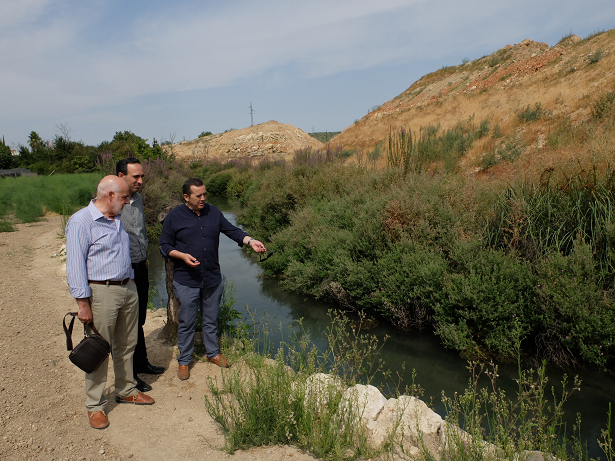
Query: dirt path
x=42 y=395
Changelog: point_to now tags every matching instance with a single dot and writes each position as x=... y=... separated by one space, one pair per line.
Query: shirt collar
x=96 y=214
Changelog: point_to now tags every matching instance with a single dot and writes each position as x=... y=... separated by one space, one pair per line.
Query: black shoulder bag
x=92 y=349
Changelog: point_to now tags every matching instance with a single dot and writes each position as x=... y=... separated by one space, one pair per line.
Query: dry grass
x=560 y=90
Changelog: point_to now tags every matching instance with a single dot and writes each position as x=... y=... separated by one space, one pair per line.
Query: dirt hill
x=565 y=80
x=271 y=139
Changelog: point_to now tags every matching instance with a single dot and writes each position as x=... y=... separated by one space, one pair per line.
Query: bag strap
x=69 y=331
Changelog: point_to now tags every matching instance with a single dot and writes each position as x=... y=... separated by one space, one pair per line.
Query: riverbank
x=42 y=414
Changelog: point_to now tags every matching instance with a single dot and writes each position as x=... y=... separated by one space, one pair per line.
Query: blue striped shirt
x=97 y=248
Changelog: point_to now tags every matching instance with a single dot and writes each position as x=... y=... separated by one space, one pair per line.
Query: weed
x=151 y=295
x=531 y=420
x=488 y=160
x=493 y=61
x=606 y=438
x=595 y=33
x=6 y=226
x=604 y=106
x=565 y=38
x=531 y=115
x=596 y=56
x=505 y=77
x=282 y=401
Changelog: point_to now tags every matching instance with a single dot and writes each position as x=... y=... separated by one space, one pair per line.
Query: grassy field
x=26 y=199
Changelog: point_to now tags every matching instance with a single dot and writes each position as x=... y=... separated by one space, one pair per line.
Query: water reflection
x=438 y=369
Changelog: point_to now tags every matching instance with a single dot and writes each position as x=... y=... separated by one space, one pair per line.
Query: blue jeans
x=191 y=301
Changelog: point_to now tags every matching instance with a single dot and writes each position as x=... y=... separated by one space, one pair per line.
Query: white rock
x=361 y=404
x=319 y=388
x=411 y=419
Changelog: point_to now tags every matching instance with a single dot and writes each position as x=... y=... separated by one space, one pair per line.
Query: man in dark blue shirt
x=190 y=235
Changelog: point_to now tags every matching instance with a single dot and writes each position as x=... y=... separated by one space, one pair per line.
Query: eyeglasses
x=262 y=260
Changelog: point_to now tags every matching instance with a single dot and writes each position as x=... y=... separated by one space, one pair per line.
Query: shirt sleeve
x=167 y=237
x=232 y=232
x=77 y=247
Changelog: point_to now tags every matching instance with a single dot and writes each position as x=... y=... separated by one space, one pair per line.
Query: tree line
x=63 y=155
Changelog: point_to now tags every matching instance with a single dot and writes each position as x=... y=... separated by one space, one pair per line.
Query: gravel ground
x=42 y=413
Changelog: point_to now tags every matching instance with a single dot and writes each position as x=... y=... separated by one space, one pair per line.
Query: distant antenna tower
x=251 y=114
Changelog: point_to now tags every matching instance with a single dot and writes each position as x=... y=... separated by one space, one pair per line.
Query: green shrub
x=6 y=227
x=531 y=115
x=604 y=106
x=596 y=56
x=410 y=277
x=578 y=319
x=218 y=183
x=486 y=298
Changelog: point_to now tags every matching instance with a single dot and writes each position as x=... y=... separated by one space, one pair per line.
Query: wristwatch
x=251 y=238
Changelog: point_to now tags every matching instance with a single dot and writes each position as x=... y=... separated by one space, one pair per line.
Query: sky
x=170 y=70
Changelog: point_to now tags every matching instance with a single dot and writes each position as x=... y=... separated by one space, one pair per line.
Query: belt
x=110 y=282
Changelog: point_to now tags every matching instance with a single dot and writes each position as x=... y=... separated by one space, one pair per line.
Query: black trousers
x=142 y=282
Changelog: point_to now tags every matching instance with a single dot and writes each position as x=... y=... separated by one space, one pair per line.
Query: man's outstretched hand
x=258 y=246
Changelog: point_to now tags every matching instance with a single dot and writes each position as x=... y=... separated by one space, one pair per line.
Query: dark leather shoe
x=183 y=372
x=219 y=360
x=150 y=369
x=98 y=419
x=137 y=399
x=142 y=385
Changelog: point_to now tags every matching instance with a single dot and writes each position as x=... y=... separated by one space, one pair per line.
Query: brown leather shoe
x=219 y=360
x=98 y=419
x=137 y=399
x=183 y=372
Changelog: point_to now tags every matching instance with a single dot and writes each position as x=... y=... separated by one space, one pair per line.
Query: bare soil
x=42 y=394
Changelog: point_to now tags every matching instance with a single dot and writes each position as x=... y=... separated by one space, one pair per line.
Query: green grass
x=6 y=227
x=27 y=198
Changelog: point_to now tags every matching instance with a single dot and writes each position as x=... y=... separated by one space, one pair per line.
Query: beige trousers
x=115 y=313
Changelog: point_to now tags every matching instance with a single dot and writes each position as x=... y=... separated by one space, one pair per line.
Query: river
x=437 y=369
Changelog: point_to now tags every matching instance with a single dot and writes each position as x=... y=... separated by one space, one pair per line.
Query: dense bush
x=578 y=315
x=472 y=262
x=218 y=183
x=485 y=297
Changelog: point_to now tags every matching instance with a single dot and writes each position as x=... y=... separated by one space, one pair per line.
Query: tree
x=6 y=158
x=35 y=142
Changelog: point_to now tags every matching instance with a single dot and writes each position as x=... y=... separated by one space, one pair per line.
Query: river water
x=437 y=369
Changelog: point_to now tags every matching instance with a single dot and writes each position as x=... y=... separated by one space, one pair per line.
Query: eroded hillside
x=557 y=86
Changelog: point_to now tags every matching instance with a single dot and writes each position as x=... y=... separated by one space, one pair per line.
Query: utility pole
x=251 y=114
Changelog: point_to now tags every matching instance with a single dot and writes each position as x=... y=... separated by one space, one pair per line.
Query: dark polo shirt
x=185 y=231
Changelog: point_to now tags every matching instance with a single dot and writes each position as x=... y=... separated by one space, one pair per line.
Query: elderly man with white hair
x=100 y=277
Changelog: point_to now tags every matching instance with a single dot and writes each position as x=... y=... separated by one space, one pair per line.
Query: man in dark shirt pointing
x=190 y=235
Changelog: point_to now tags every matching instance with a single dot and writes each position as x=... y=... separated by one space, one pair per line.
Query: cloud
x=67 y=57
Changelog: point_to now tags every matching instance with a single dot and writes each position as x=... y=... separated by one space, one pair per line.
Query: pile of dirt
x=270 y=139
